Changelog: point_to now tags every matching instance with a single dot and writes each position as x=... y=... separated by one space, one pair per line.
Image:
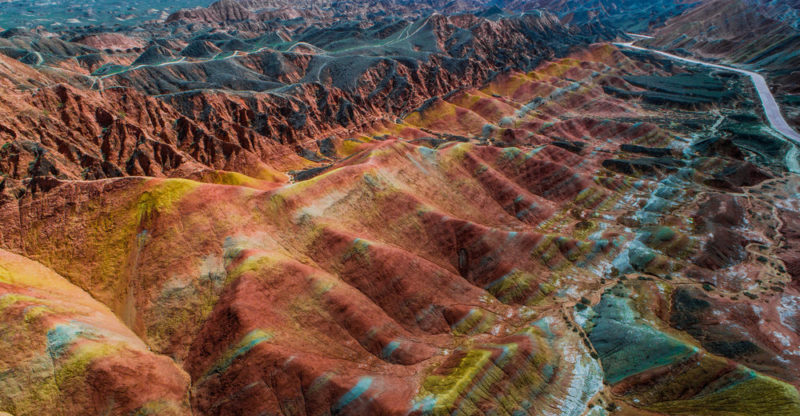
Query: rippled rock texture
x=549 y=242
x=265 y=207
x=169 y=100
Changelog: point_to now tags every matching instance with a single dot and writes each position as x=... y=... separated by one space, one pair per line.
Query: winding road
x=771 y=108
x=401 y=36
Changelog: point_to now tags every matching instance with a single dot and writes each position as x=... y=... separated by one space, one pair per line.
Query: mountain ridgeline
x=399 y=208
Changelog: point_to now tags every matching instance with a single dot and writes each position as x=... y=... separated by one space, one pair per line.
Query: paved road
x=638 y=36
x=771 y=108
x=403 y=35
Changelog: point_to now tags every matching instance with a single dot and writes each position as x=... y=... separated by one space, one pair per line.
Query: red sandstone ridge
x=88 y=135
x=366 y=208
x=420 y=264
x=220 y=11
x=178 y=109
x=112 y=41
x=67 y=353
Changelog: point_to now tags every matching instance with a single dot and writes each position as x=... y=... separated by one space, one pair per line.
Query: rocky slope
x=630 y=15
x=787 y=11
x=736 y=31
x=585 y=260
x=458 y=213
x=72 y=355
x=759 y=35
x=254 y=106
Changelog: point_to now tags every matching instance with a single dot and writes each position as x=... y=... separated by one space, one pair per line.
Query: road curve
x=771 y=108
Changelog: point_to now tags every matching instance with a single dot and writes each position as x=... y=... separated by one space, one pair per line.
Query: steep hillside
x=536 y=243
x=737 y=32
x=264 y=207
x=256 y=106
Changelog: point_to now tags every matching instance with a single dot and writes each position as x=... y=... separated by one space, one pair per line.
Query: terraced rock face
x=586 y=238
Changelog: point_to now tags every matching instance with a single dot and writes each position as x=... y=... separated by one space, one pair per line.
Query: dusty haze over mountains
x=365 y=207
